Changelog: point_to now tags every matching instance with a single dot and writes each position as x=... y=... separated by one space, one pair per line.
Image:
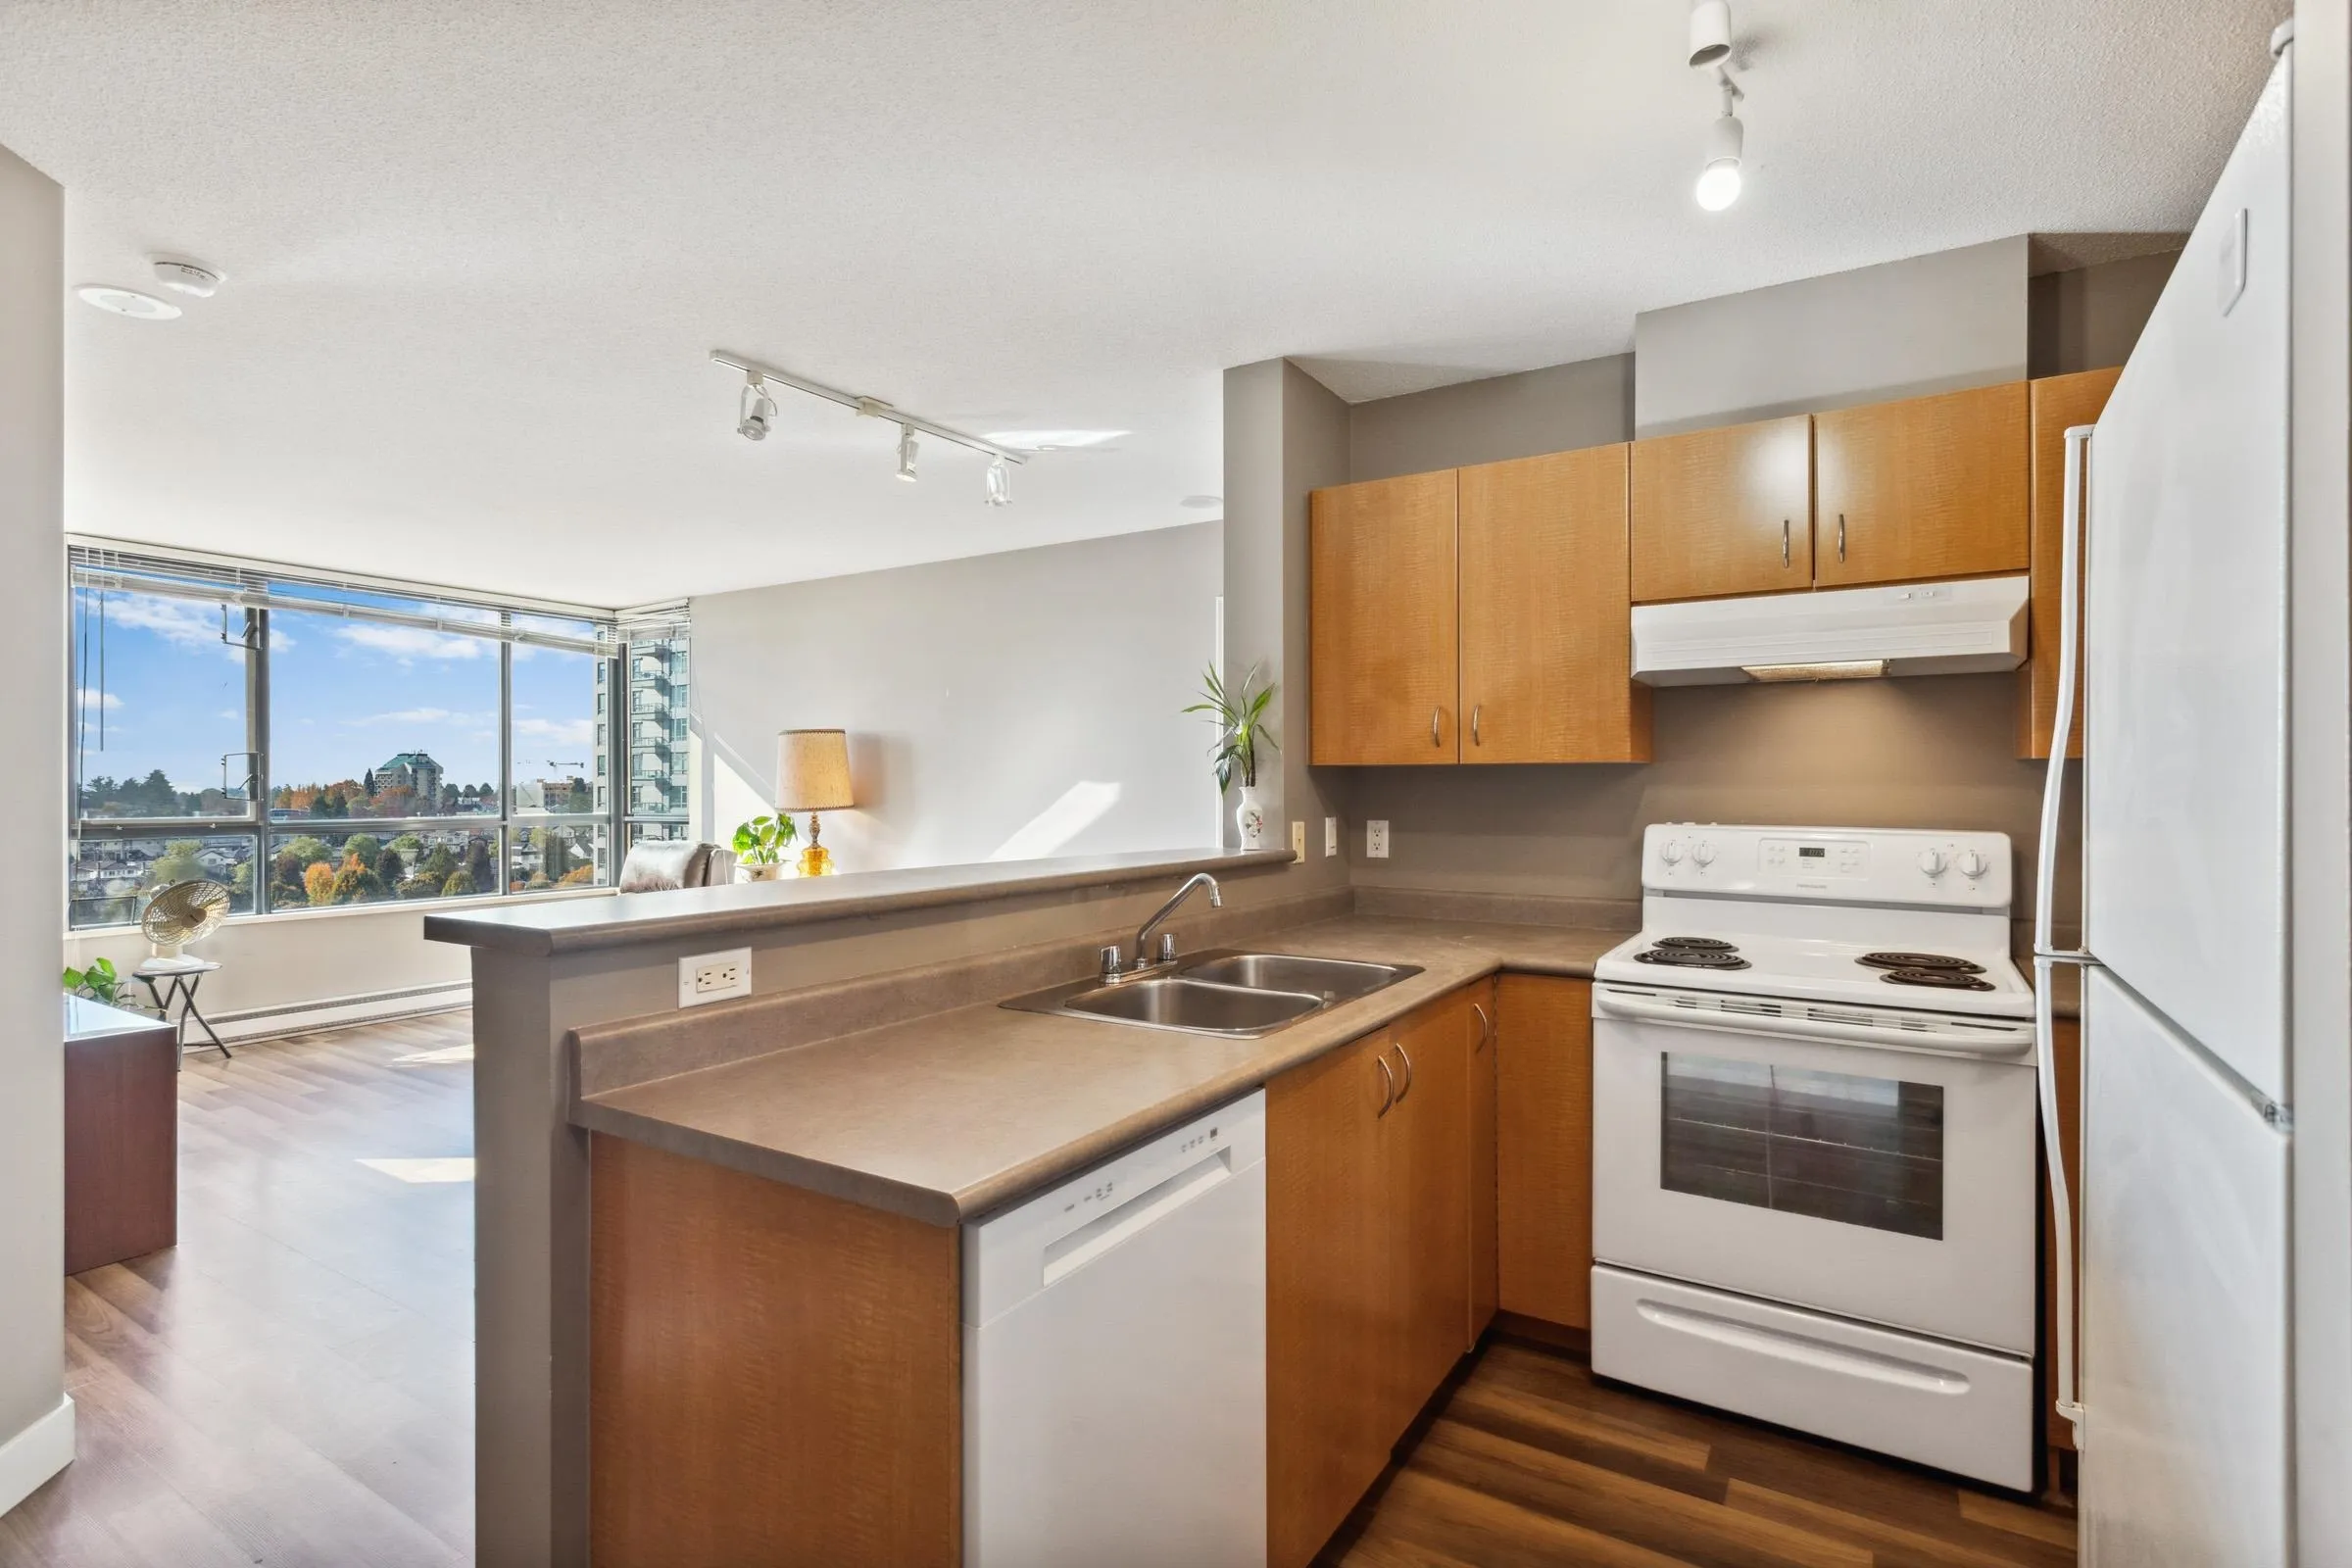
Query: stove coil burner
x=1692 y=952
x=1946 y=979
x=1941 y=963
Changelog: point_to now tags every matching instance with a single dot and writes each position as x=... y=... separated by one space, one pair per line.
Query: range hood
x=1924 y=628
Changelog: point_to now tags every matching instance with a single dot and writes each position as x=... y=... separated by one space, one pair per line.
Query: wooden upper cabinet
x=2053 y=403
x=1546 y=623
x=1722 y=511
x=1925 y=487
x=1385 y=664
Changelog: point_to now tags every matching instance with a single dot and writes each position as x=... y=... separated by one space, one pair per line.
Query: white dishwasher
x=1114 y=1361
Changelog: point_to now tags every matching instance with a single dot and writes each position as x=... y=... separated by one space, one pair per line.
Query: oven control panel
x=1843 y=865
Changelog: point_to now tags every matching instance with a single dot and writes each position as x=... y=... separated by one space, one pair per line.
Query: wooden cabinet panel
x=774 y=1375
x=1385 y=667
x=1925 y=487
x=1547 y=617
x=1483 y=1279
x=1429 y=1196
x=2053 y=403
x=2068 y=1038
x=1722 y=511
x=1331 y=1313
x=1544 y=1147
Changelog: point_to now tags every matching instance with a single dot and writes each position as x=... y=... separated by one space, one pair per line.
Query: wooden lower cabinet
x=1368 y=1247
x=1544 y=1147
x=1485 y=1284
x=774 y=1376
x=2068 y=1038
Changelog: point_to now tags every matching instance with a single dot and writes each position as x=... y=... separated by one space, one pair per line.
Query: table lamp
x=812 y=776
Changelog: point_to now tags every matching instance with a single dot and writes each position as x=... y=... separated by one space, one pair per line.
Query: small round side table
x=171 y=983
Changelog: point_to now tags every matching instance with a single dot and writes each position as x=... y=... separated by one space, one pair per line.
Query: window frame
x=257 y=827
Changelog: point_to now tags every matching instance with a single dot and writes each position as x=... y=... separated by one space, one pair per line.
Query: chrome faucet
x=1113 y=964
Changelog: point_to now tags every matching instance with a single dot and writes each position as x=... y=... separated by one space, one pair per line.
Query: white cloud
x=556 y=731
x=423 y=716
x=94 y=699
x=411 y=643
x=175 y=621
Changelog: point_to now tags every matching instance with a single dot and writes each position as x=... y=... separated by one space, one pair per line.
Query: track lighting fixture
x=758 y=415
x=1711 y=50
x=1719 y=177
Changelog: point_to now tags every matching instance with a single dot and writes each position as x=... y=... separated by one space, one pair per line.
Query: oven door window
x=1840 y=1146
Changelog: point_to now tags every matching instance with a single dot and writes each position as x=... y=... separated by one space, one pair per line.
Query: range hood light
x=1837 y=669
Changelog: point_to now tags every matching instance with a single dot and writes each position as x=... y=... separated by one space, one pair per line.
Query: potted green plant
x=99 y=982
x=1241 y=720
x=760 y=846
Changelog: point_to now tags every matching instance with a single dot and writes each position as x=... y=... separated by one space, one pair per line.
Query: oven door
x=1803 y=1157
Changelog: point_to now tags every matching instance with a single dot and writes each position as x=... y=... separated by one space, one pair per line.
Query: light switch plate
x=1331 y=837
x=1376 y=841
x=1298 y=840
x=714 y=976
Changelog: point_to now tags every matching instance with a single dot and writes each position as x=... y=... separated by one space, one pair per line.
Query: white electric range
x=1814 y=1166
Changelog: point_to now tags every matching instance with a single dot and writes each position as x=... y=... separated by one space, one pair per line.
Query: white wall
x=276 y=970
x=1932 y=323
x=1002 y=706
x=36 y=1421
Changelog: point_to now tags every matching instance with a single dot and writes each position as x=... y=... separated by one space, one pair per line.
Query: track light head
x=758 y=415
x=907 y=453
x=1719 y=180
x=1000 y=482
x=1710 y=33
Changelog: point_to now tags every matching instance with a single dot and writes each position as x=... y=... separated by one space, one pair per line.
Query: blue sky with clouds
x=345 y=696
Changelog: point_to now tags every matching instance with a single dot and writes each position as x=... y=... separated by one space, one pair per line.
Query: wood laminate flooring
x=1530 y=1461
x=293 y=1384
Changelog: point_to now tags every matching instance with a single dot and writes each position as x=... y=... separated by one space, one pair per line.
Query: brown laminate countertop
x=576 y=925
x=947 y=1117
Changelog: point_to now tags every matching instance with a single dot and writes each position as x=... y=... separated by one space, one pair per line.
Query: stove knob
x=1931 y=861
x=1704 y=854
x=1671 y=852
x=1972 y=865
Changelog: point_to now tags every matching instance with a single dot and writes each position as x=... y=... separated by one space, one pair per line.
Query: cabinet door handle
x=1485 y=1028
x=1784 y=542
x=1841 y=536
x=1433 y=726
x=1388 y=1095
x=1476 y=710
x=1408 y=1072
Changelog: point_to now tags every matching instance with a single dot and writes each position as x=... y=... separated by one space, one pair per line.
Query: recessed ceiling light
x=1052 y=440
x=127 y=302
x=1201 y=503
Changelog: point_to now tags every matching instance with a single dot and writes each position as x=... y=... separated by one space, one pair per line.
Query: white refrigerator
x=2181 y=496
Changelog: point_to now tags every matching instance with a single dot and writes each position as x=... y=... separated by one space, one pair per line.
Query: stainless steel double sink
x=1239 y=995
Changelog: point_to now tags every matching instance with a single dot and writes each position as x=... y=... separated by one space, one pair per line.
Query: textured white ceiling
x=478 y=250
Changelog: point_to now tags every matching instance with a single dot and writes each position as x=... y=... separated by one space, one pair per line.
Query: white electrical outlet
x=1331 y=837
x=714 y=976
x=1298 y=840
x=1376 y=841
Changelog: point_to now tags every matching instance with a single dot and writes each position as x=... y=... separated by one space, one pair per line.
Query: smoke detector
x=183 y=277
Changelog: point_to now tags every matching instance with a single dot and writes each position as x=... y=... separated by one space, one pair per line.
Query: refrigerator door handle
x=2046 y=954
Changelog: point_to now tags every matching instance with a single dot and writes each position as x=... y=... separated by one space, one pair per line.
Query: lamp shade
x=812 y=771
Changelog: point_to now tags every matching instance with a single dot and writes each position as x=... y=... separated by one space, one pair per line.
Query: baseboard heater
x=336 y=1012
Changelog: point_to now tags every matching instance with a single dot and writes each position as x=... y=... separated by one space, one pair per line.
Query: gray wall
x=2087 y=318
x=1557 y=409
x=1929 y=324
x=1286 y=434
x=32 y=639
x=1009 y=705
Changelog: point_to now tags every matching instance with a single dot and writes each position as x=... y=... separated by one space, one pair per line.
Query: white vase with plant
x=1241 y=720
x=760 y=846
